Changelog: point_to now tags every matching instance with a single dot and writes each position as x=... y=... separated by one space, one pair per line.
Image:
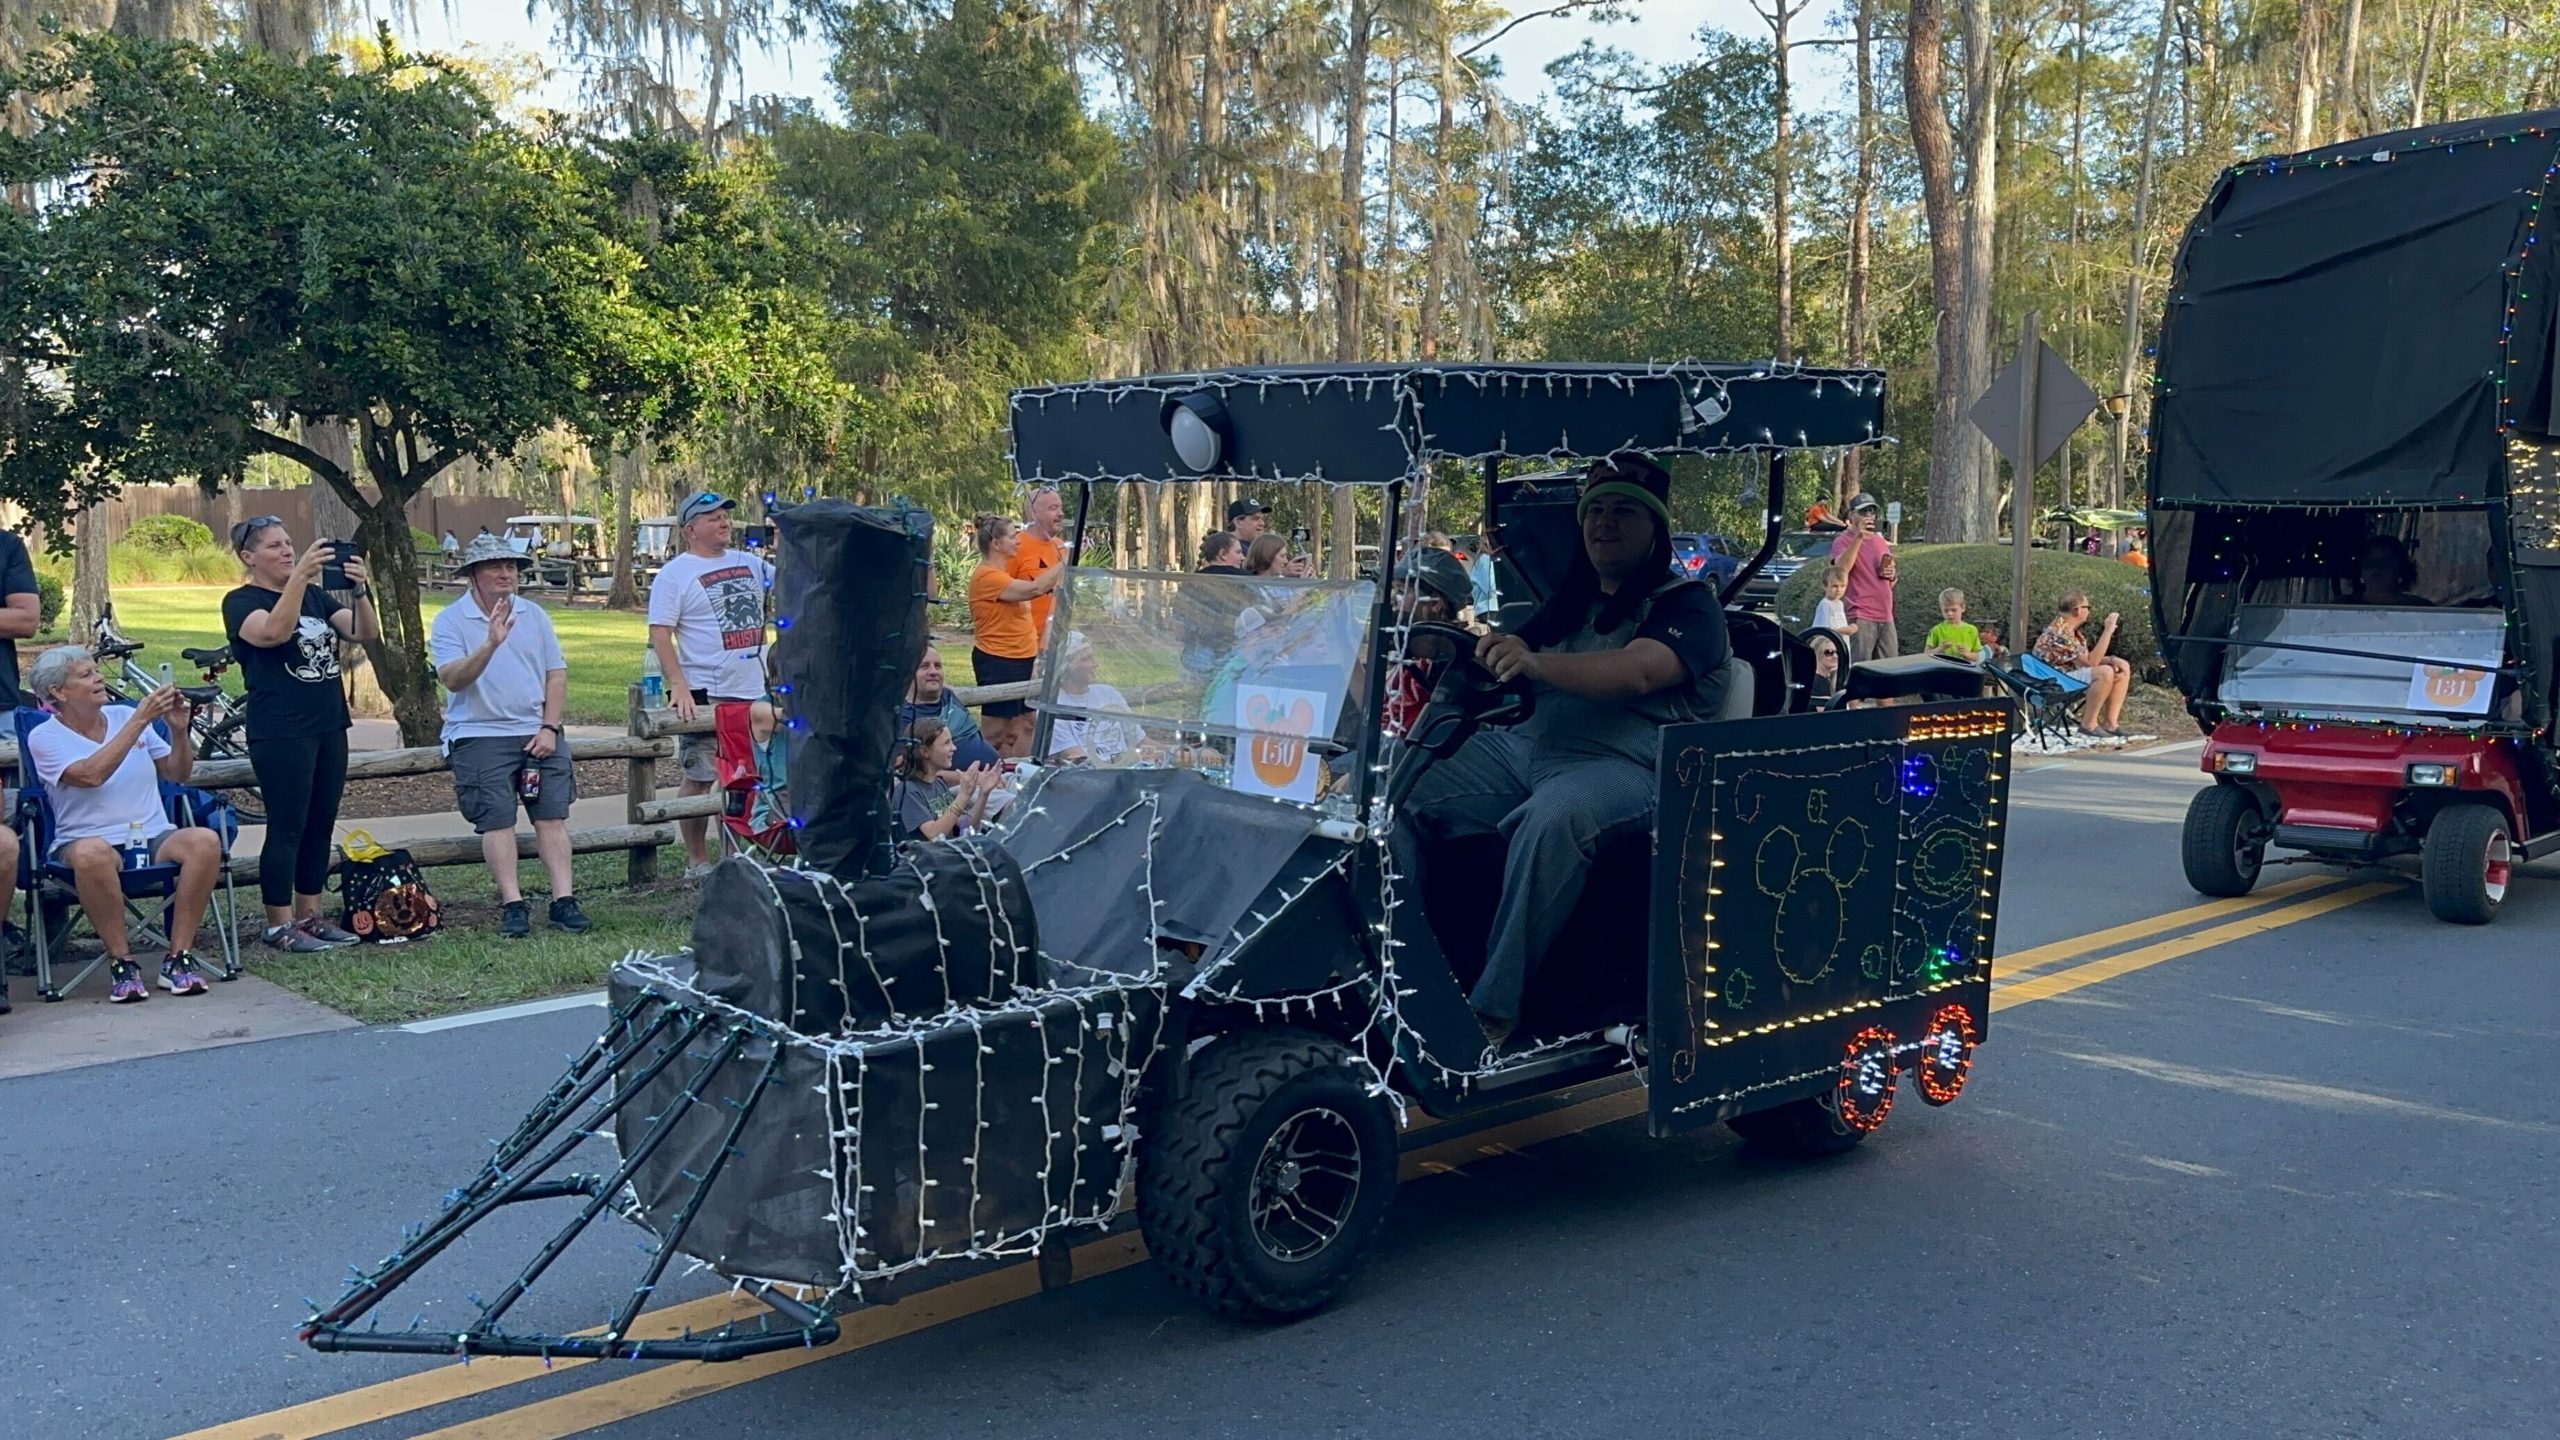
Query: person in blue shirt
x=929 y=696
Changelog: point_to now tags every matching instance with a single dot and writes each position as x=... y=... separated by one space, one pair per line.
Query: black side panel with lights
x=1825 y=889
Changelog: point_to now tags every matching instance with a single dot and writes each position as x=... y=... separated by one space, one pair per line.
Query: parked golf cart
x=1213 y=968
x=567 y=551
x=2355 y=510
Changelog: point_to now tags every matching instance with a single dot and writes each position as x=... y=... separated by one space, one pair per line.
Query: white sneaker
x=696 y=872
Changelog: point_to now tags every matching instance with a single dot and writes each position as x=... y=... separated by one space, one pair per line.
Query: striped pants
x=1554 y=814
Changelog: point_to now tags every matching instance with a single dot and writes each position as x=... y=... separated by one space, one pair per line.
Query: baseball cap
x=1242 y=508
x=702 y=503
x=1864 y=501
x=1439 y=573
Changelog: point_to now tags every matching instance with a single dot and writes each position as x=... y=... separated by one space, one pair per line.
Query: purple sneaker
x=178 y=975
x=126 y=985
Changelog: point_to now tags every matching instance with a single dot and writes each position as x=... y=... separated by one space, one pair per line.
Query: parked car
x=1715 y=559
x=1795 y=549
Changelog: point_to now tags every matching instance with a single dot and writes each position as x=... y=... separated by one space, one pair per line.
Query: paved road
x=2280 y=1171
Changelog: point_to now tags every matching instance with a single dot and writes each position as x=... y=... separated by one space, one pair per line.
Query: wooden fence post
x=641 y=788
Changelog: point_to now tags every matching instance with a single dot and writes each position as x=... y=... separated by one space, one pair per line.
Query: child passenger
x=1951 y=636
x=1831 y=612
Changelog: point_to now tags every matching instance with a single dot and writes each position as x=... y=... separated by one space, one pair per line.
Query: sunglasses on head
x=249 y=529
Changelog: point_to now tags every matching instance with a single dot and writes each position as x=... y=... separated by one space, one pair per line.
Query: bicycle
x=221 y=724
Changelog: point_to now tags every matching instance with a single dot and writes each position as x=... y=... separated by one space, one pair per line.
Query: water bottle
x=653 y=681
x=137 y=851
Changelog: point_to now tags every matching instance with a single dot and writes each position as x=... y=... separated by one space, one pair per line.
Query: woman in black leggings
x=284 y=633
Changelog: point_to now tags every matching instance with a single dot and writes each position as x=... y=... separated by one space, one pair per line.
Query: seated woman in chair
x=101 y=766
x=1622 y=648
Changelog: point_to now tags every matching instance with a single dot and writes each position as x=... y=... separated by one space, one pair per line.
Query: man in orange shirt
x=1040 y=552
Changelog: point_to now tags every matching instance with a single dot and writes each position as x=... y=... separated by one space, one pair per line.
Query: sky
x=1654 y=30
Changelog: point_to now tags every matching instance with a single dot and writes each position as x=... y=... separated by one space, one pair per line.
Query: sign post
x=2030 y=409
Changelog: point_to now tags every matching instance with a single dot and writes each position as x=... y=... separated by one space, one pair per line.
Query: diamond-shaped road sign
x=2063 y=400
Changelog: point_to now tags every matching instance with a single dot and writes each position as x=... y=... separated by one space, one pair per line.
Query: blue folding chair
x=53 y=897
x=2048 y=699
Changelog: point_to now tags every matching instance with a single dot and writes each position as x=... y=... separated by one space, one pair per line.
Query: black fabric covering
x=950 y=925
x=2332 y=336
x=1083 y=843
x=850 y=596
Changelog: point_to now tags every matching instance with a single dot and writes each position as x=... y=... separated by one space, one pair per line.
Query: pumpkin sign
x=2449 y=689
x=1277 y=724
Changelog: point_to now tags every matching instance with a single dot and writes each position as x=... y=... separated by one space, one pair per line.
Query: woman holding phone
x=284 y=631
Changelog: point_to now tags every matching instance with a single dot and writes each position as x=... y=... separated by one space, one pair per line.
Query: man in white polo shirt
x=707 y=623
x=506 y=683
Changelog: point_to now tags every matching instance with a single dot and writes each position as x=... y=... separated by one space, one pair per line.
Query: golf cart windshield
x=1149 y=658
x=2365 y=661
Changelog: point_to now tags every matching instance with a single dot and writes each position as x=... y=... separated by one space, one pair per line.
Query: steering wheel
x=1466 y=699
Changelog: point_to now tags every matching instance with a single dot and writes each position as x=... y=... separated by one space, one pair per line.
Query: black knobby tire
x=1800 y=1129
x=1210 y=1153
x=2225 y=843
x=2466 y=862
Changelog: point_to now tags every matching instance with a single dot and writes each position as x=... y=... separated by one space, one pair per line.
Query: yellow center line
x=2063 y=982
x=2039 y=956
x=586 y=1409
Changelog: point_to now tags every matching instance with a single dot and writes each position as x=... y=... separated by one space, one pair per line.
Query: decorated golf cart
x=2355 y=509
x=1205 y=974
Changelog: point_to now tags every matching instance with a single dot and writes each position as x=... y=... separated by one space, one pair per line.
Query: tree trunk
x=2130 y=355
x=1350 y=229
x=2306 y=75
x=1981 y=223
x=2350 y=110
x=1952 y=474
x=1346 y=534
x=1847 y=478
x=1781 y=156
x=400 y=656
x=1436 y=271
x=632 y=469
x=88 y=574
x=332 y=518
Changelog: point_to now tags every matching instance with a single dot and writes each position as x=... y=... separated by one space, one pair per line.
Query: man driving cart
x=1622 y=648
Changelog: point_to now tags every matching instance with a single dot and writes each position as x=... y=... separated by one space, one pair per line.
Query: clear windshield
x=1145 y=659
x=2402 y=660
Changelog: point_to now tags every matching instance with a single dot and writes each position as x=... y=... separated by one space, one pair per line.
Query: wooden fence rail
x=648 y=822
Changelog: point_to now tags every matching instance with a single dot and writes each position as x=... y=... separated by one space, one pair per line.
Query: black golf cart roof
x=1373 y=424
x=2362 y=325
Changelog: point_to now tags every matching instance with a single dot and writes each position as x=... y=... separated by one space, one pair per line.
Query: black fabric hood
x=2353 y=325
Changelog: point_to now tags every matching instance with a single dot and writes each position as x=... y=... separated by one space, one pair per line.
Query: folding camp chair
x=2048 y=700
x=751 y=812
x=53 y=898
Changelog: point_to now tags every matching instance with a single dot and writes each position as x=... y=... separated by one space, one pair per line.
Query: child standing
x=1951 y=636
x=1831 y=612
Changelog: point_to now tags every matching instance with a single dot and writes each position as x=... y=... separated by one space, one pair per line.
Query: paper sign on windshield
x=1273 y=757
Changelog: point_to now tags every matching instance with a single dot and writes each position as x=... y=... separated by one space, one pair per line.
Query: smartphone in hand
x=333 y=571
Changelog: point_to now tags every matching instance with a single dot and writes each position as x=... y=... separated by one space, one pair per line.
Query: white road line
x=504 y=1012
x=2076 y=756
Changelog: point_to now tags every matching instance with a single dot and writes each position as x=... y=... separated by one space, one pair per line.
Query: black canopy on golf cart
x=2358 y=343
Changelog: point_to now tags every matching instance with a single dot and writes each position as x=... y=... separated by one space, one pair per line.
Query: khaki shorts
x=484 y=782
x=1875 y=640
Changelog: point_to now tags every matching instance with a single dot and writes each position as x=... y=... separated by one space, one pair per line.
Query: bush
x=50 y=596
x=424 y=543
x=168 y=535
x=131 y=564
x=1982 y=572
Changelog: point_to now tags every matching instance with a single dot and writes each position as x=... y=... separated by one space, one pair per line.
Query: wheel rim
x=1863 y=1095
x=2248 y=842
x=1305 y=1185
x=2497 y=866
x=1946 y=1054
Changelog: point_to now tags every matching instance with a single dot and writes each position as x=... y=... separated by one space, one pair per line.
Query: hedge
x=168 y=535
x=1982 y=572
x=49 y=600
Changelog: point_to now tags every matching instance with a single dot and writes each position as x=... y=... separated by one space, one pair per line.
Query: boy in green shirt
x=1952 y=637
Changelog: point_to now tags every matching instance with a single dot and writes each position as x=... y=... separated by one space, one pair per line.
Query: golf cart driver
x=1621 y=649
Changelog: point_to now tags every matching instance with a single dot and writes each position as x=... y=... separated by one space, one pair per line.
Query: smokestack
x=849 y=597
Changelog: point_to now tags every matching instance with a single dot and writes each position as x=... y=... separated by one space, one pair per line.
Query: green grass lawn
x=465 y=966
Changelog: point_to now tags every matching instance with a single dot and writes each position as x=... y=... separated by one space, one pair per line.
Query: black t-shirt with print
x=17 y=577
x=294 y=688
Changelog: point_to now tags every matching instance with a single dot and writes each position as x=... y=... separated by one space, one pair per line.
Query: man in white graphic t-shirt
x=707 y=623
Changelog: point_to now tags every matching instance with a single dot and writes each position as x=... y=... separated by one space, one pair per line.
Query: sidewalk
x=41 y=1037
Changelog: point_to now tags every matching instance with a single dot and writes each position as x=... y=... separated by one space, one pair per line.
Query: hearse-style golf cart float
x=1211 y=977
x=2355 y=508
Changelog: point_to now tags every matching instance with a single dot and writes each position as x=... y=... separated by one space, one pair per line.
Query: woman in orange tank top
x=1007 y=643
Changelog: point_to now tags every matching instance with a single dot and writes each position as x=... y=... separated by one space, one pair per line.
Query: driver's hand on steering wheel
x=1507 y=657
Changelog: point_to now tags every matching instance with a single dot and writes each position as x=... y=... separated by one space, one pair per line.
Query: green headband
x=1628 y=488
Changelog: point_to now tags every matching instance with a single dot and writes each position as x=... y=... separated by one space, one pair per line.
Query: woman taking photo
x=1007 y=642
x=284 y=632
x=2108 y=677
